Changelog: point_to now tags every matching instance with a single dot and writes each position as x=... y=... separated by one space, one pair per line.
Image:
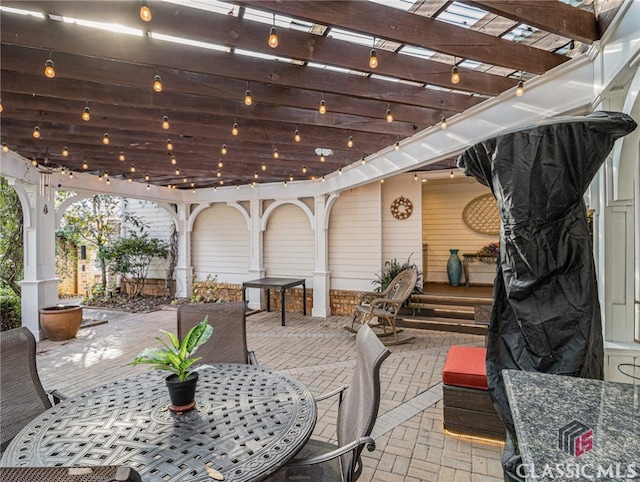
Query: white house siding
x=158 y=224
x=443 y=201
x=220 y=244
x=289 y=244
x=355 y=247
x=402 y=238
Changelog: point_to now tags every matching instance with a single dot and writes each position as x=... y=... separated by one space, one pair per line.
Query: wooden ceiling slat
x=561 y=19
x=394 y=24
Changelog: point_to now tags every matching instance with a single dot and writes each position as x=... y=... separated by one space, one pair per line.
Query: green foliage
x=205 y=290
x=11 y=238
x=67 y=242
x=394 y=268
x=176 y=356
x=97 y=221
x=132 y=256
x=10 y=310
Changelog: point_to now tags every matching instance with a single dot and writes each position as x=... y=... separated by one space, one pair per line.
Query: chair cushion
x=465 y=367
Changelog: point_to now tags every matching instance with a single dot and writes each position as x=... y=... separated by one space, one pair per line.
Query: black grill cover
x=546 y=315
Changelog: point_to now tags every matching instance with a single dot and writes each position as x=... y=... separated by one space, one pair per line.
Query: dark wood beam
x=405 y=27
x=555 y=17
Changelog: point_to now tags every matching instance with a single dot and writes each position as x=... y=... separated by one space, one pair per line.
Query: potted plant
x=177 y=357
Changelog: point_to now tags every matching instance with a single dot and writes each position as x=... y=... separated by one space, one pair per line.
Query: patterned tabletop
x=247 y=423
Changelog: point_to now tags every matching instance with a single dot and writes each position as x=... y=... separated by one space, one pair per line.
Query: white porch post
x=40 y=285
x=256 y=268
x=184 y=269
x=321 y=275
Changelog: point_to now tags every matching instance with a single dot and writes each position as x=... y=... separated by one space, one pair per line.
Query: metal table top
x=247 y=423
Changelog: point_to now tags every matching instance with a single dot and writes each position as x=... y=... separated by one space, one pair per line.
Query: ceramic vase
x=454 y=268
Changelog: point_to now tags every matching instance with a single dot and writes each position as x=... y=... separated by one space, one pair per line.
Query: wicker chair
x=229 y=341
x=385 y=306
x=22 y=397
x=357 y=413
x=107 y=473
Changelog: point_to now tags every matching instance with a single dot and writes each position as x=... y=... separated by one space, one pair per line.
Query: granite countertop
x=574 y=428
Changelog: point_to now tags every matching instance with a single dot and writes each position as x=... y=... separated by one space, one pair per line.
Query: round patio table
x=247 y=423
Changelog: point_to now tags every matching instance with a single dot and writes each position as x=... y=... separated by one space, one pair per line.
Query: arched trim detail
x=66 y=204
x=269 y=211
x=330 y=203
x=194 y=214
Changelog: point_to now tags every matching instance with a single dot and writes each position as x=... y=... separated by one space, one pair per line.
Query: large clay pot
x=61 y=322
x=182 y=394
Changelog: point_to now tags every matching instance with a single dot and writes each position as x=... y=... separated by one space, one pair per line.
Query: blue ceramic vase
x=454 y=268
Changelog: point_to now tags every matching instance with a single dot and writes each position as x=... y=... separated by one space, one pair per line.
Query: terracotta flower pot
x=61 y=322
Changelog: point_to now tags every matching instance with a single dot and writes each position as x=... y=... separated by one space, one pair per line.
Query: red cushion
x=465 y=367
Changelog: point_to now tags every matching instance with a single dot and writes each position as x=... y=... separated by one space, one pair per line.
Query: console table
x=281 y=284
x=471 y=257
x=247 y=423
x=568 y=423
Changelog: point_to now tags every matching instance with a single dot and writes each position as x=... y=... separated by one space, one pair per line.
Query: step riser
x=425 y=324
x=443 y=313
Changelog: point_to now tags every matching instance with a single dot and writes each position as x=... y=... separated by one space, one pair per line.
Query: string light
x=223 y=151
x=132 y=168
x=177 y=171
x=36 y=132
x=455 y=75
x=443 y=122
x=290 y=177
x=121 y=156
x=296 y=135
x=222 y=182
x=285 y=183
x=65 y=151
x=350 y=141
x=253 y=184
x=108 y=180
x=304 y=169
x=323 y=106
x=264 y=166
x=415 y=176
x=184 y=180
x=34 y=162
x=340 y=171
x=70 y=175
x=1 y=108
x=321 y=157
x=5 y=147
x=86 y=113
x=520 y=88
x=129 y=179
x=248 y=100
x=145 y=12
x=148 y=187
x=99 y=176
x=373 y=59
x=255 y=175
x=396 y=146
x=237 y=186
x=85 y=165
x=105 y=138
x=49 y=70
x=389 y=117
x=275 y=153
x=173 y=160
x=169 y=145
x=363 y=161
x=322 y=178
x=234 y=129
x=157 y=83
x=451 y=174
x=165 y=122
x=273 y=34
x=220 y=164
x=146 y=177
x=218 y=174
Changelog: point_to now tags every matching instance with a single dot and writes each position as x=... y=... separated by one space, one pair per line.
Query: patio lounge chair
x=228 y=344
x=106 y=473
x=22 y=397
x=384 y=306
x=357 y=413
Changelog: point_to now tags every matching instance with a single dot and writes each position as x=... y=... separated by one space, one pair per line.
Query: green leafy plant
x=176 y=356
x=392 y=269
x=206 y=290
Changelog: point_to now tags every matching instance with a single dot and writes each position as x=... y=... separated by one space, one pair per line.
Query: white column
x=321 y=275
x=40 y=286
x=255 y=297
x=184 y=269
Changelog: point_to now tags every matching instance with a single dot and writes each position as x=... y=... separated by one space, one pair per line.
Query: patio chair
x=22 y=397
x=384 y=306
x=228 y=344
x=106 y=473
x=357 y=413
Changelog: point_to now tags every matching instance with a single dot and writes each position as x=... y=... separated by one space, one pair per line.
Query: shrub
x=393 y=269
x=10 y=310
x=206 y=290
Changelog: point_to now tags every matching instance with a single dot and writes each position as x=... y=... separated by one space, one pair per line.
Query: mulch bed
x=139 y=304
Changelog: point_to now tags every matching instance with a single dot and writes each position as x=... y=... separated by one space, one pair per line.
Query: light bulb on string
x=157 y=83
x=373 y=59
x=177 y=171
x=145 y=12
x=389 y=117
x=146 y=177
x=34 y=162
x=169 y=145
x=218 y=174
x=276 y=155
x=304 y=169
x=396 y=146
x=223 y=151
x=350 y=141
x=36 y=132
x=273 y=34
x=86 y=113
x=132 y=168
x=455 y=75
x=165 y=122
x=174 y=161
x=323 y=106
x=65 y=151
x=49 y=70
x=264 y=166
x=5 y=147
x=220 y=164
x=321 y=157
x=105 y=139
x=129 y=179
x=248 y=100
x=255 y=175
x=234 y=129
x=443 y=122
x=121 y=157
x=296 y=135
x=70 y=175
x=85 y=165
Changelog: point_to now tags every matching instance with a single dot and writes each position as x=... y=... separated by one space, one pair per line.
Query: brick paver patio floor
x=410 y=443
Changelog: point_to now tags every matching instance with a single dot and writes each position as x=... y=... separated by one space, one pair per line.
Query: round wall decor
x=481 y=215
x=401 y=208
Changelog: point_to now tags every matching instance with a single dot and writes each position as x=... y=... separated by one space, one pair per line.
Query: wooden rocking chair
x=384 y=306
